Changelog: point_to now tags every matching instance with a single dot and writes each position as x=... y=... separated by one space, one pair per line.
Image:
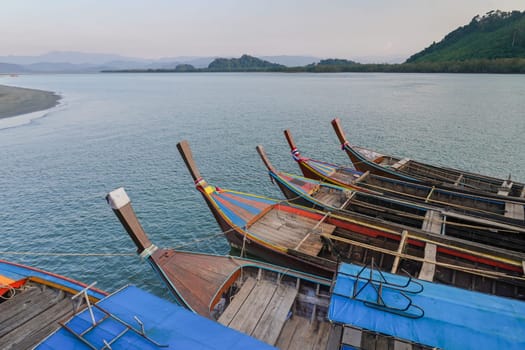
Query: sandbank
x=16 y=101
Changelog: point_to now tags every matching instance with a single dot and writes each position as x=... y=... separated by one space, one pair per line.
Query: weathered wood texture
x=428 y=269
x=291 y=231
x=260 y=309
x=515 y=210
x=301 y=334
x=31 y=315
x=433 y=222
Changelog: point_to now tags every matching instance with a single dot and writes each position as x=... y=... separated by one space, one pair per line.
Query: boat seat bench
x=260 y=309
x=400 y=163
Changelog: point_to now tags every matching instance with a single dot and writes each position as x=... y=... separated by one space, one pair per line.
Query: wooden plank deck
x=329 y=198
x=272 y=321
x=31 y=315
x=301 y=334
x=291 y=231
x=260 y=309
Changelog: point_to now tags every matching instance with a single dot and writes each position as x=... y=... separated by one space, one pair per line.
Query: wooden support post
x=458 y=181
x=428 y=269
x=402 y=243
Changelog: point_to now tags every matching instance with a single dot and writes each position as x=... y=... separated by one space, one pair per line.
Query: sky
x=376 y=30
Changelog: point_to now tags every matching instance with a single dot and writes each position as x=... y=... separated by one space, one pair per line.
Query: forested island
x=493 y=43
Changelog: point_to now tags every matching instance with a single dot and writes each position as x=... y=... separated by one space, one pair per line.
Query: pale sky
x=168 y=28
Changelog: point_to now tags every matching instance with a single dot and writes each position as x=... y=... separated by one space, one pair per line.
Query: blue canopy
x=164 y=322
x=439 y=315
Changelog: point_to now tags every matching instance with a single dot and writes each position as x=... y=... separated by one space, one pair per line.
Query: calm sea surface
x=122 y=130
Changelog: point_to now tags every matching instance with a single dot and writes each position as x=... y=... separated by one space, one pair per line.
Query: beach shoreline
x=15 y=101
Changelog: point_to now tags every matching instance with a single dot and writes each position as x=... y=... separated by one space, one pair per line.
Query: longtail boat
x=313 y=241
x=132 y=318
x=33 y=302
x=45 y=311
x=367 y=204
x=410 y=170
x=362 y=308
x=495 y=209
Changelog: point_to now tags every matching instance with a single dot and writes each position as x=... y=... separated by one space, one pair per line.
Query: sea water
x=113 y=130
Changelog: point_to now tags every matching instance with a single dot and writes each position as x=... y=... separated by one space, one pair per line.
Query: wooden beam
x=362 y=177
x=313 y=230
x=402 y=243
x=274 y=316
x=399 y=345
x=352 y=337
x=458 y=180
x=400 y=164
x=433 y=222
x=514 y=210
x=428 y=269
x=238 y=300
x=334 y=338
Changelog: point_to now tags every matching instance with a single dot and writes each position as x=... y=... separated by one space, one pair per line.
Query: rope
x=243 y=246
x=11 y=290
x=117 y=254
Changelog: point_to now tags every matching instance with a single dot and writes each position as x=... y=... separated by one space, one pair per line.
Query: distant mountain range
x=492 y=43
x=80 y=62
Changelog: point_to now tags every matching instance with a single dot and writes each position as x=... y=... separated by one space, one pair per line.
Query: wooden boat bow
x=185 y=152
x=336 y=123
x=264 y=157
x=121 y=205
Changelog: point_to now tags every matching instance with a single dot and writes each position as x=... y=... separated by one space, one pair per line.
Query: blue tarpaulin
x=164 y=322
x=452 y=318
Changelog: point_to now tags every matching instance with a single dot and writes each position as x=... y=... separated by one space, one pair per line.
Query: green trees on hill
x=244 y=64
x=493 y=36
x=493 y=43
